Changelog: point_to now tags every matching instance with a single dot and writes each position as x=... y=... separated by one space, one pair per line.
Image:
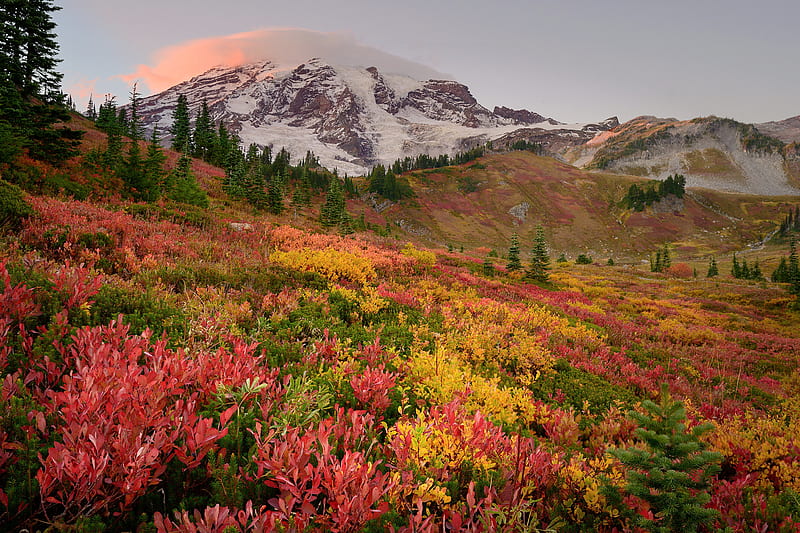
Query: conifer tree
x=736 y=270
x=235 y=171
x=153 y=181
x=203 y=137
x=301 y=196
x=29 y=50
x=671 y=472
x=30 y=99
x=181 y=130
x=254 y=188
x=222 y=146
x=184 y=187
x=514 y=262
x=713 y=270
x=781 y=272
x=91 y=110
x=346 y=224
x=332 y=210
x=540 y=259
x=135 y=128
x=666 y=262
x=275 y=195
x=488 y=267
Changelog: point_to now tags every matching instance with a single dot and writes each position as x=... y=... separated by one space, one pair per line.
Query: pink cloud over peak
x=286 y=47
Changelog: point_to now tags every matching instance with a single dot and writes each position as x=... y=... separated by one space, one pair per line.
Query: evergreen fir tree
x=755 y=272
x=181 y=129
x=713 y=270
x=122 y=120
x=91 y=110
x=153 y=181
x=781 y=272
x=302 y=190
x=112 y=158
x=736 y=270
x=333 y=209
x=672 y=472
x=794 y=264
x=135 y=128
x=744 y=270
x=222 y=147
x=540 y=259
x=235 y=171
x=488 y=267
x=204 y=136
x=275 y=195
x=30 y=99
x=29 y=50
x=254 y=188
x=346 y=224
x=666 y=261
x=184 y=185
x=514 y=262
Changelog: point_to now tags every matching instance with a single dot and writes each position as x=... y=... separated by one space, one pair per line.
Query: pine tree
x=181 y=129
x=301 y=196
x=781 y=272
x=333 y=209
x=713 y=270
x=488 y=267
x=30 y=99
x=222 y=147
x=203 y=137
x=29 y=50
x=666 y=262
x=540 y=259
x=235 y=171
x=91 y=110
x=514 y=262
x=346 y=224
x=672 y=472
x=184 y=187
x=153 y=181
x=736 y=270
x=135 y=128
x=275 y=196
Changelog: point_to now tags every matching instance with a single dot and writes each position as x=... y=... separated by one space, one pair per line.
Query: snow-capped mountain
x=353 y=117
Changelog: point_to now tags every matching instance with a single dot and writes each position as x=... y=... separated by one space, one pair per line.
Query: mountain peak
x=350 y=117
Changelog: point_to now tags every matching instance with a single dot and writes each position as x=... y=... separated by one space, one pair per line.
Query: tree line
x=637 y=198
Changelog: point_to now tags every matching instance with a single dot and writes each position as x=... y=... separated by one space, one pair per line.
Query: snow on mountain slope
x=350 y=117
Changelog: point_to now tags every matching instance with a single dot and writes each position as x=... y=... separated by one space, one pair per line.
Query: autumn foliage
x=308 y=382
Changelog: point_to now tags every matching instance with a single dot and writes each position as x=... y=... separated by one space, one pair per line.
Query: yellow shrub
x=328 y=263
x=422 y=256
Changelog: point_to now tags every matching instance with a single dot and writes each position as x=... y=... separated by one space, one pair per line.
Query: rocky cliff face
x=352 y=118
x=711 y=152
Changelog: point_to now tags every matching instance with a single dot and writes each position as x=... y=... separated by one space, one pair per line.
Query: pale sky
x=573 y=60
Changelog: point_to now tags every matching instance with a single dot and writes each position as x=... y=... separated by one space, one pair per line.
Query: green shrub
x=583 y=259
x=13 y=207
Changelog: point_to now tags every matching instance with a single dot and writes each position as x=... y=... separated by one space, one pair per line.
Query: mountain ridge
x=351 y=117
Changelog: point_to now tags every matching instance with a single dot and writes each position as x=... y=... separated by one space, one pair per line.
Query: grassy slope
x=580 y=210
x=546 y=365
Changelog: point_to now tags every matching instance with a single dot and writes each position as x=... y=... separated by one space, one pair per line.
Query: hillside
x=185 y=373
x=713 y=153
x=483 y=202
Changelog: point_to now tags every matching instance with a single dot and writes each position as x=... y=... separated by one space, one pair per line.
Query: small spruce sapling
x=671 y=473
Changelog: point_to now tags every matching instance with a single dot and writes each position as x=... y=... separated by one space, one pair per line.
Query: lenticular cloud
x=287 y=47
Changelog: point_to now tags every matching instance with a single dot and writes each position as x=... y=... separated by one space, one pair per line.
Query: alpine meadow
x=331 y=297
